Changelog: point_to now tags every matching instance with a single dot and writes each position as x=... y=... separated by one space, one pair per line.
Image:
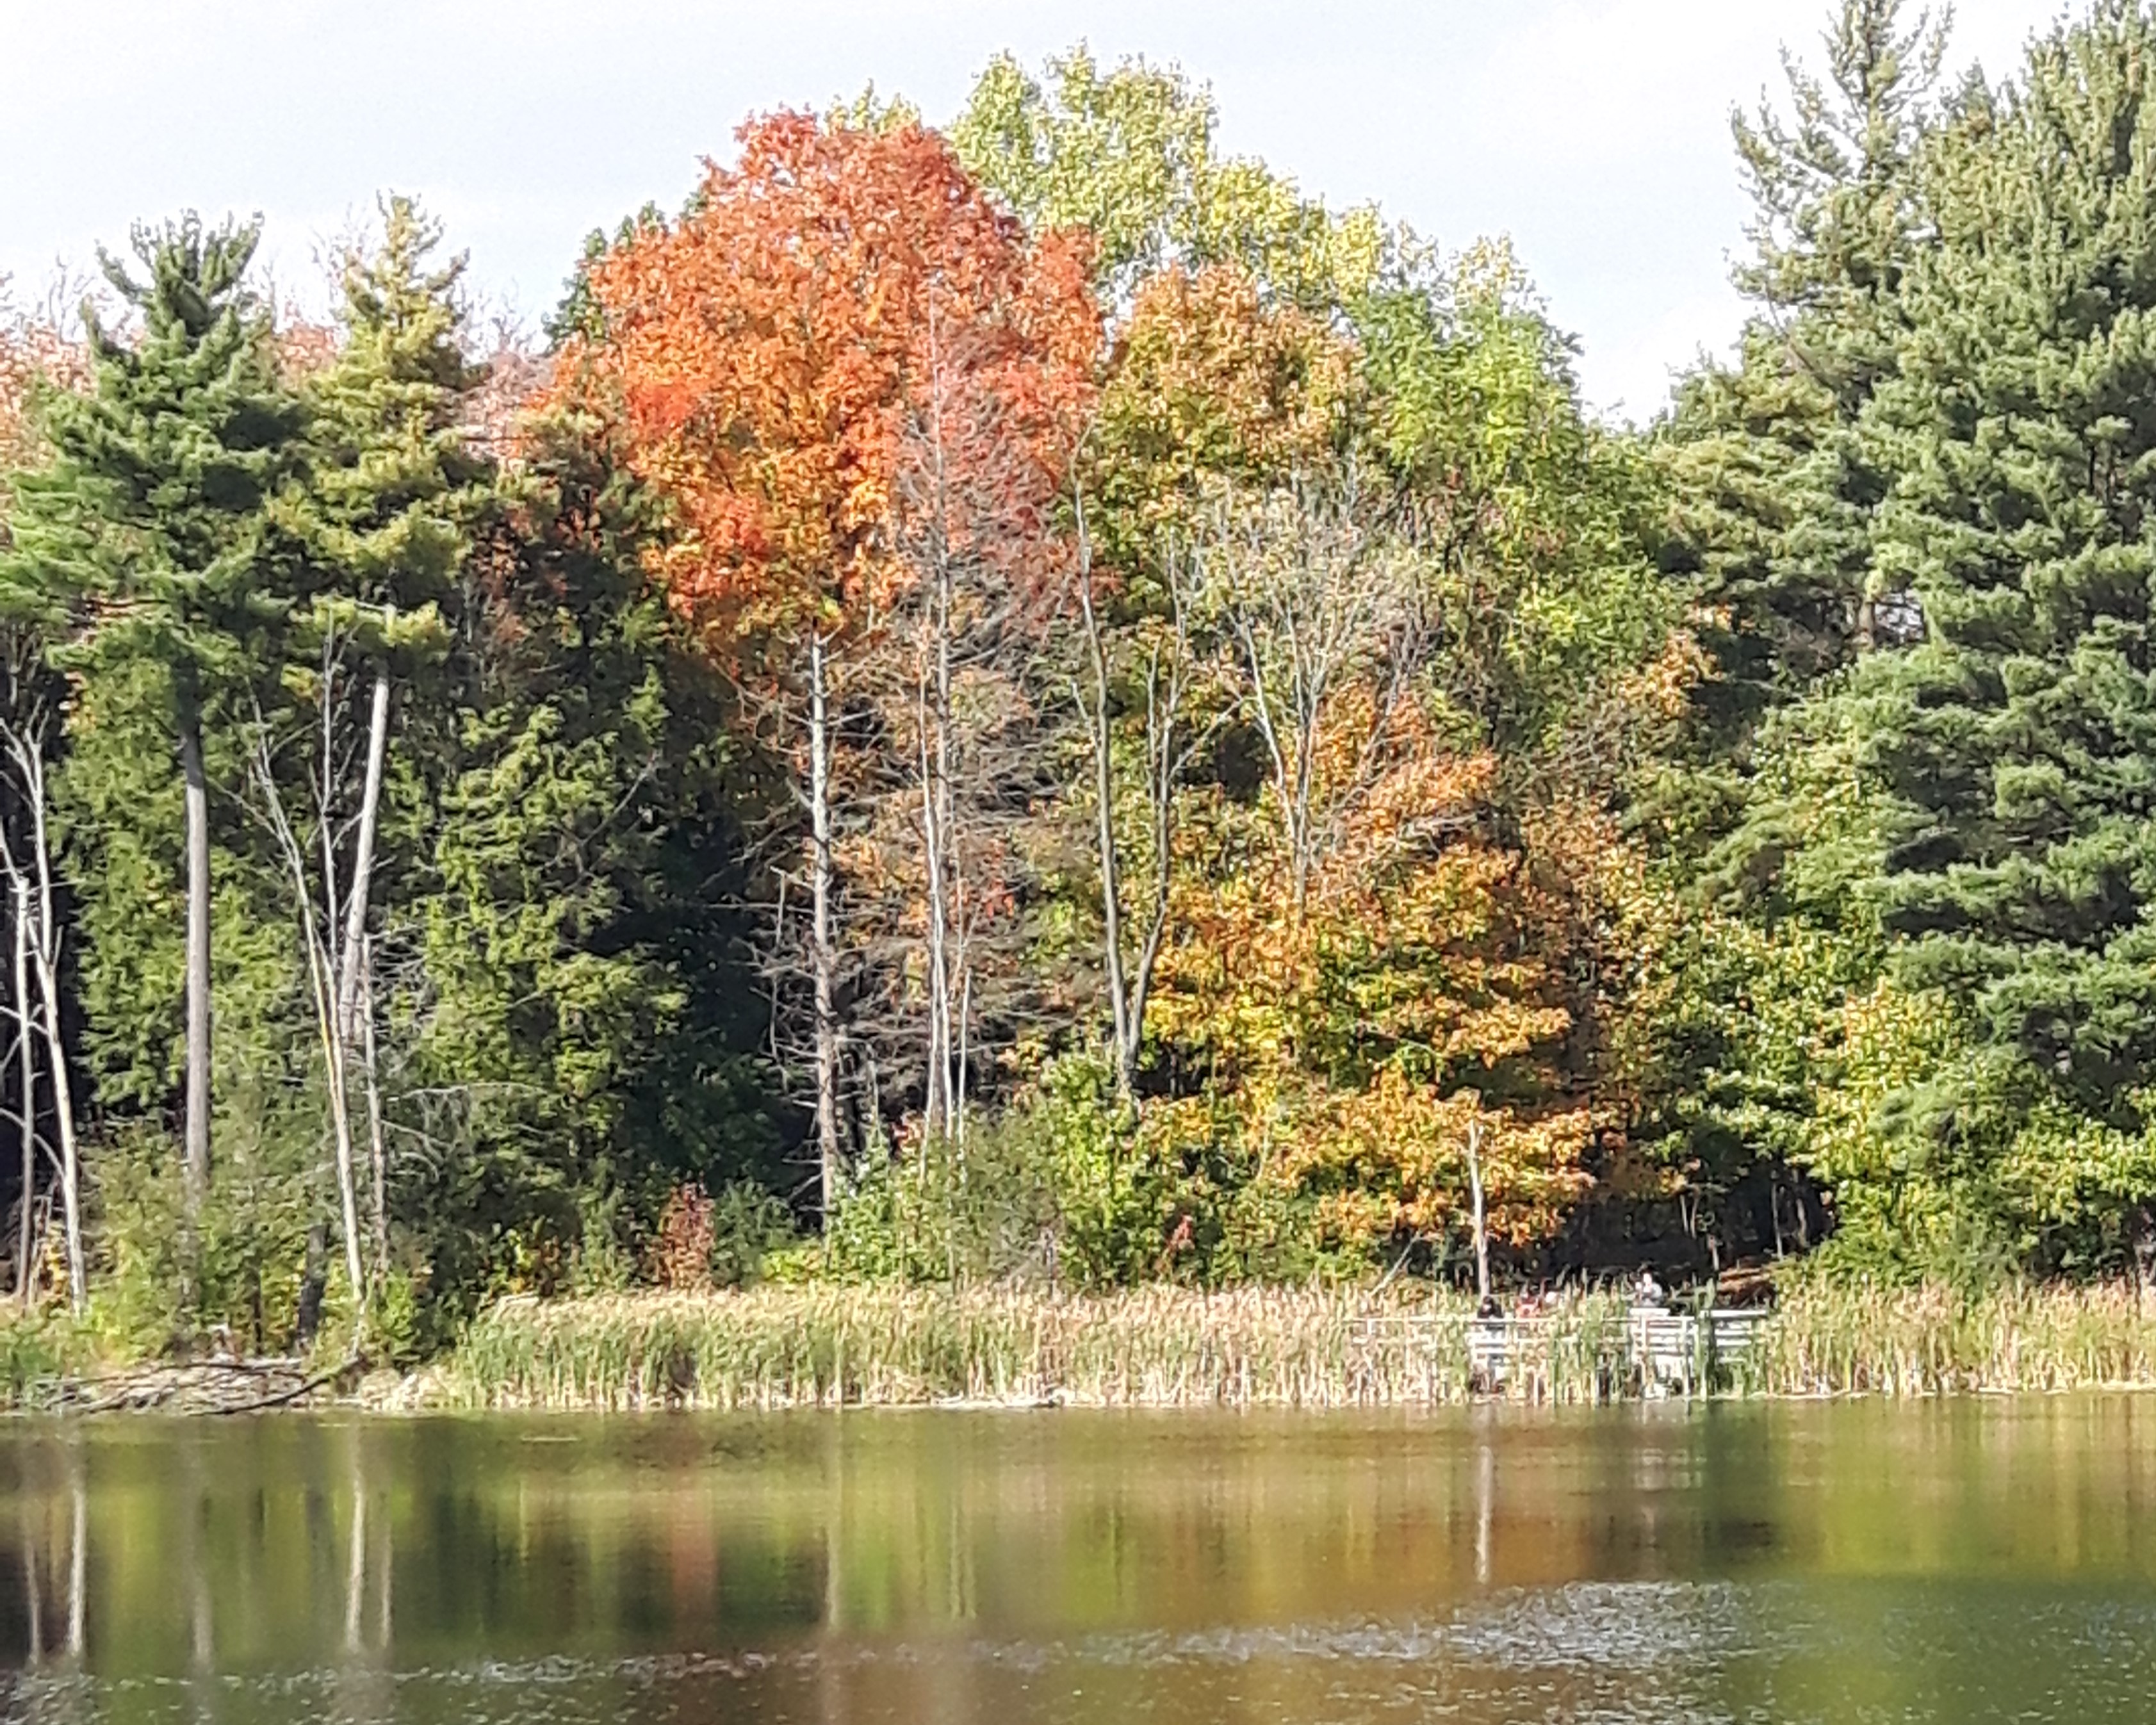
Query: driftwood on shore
x=198 y=1387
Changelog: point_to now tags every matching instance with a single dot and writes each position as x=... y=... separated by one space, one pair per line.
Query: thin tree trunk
x=322 y=979
x=938 y=1103
x=198 y=960
x=376 y=1143
x=340 y=1114
x=1481 y=1220
x=965 y=1032
x=823 y=957
x=1130 y=979
x=49 y=988
x=947 y=885
x=45 y=953
x=351 y=951
x=1165 y=766
x=1111 y=862
x=26 y=1055
x=933 y=721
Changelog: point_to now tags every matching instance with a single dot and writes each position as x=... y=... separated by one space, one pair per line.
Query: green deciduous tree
x=1130 y=156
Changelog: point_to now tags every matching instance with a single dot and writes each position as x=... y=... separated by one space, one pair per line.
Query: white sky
x=1593 y=132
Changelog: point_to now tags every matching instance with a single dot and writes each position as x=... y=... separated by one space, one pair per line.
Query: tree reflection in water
x=1948 y=1560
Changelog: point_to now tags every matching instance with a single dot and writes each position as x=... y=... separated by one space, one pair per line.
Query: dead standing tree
x=32 y=352
x=960 y=710
x=1159 y=661
x=26 y=857
x=1319 y=592
x=328 y=859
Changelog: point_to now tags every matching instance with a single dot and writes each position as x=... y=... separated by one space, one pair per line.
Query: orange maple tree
x=32 y=352
x=841 y=367
x=762 y=358
x=1397 y=1039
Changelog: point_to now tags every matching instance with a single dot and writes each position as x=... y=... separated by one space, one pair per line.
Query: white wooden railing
x=1658 y=1352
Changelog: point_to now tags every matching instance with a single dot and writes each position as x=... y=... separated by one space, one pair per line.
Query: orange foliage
x=305 y=349
x=1422 y=991
x=763 y=357
x=30 y=352
x=681 y=1254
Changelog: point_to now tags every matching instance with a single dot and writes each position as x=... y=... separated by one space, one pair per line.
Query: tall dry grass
x=832 y=1346
x=826 y=1346
x=1932 y=1341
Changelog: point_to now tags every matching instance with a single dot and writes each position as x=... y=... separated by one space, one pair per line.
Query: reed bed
x=2026 y=1338
x=828 y=1347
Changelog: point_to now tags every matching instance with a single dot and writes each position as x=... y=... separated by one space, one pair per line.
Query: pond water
x=1976 y=1560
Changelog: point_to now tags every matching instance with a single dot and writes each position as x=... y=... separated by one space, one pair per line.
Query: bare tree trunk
x=333 y=1055
x=352 y=950
x=26 y=1055
x=376 y=1144
x=1168 y=757
x=1166 y=765
x=197 y=958
x=938 y=830
x=317 y=932
x=43 y=926
x=340 y=1126
x=936 y=1103
x=823 y=959
x=1481 y=1220
x=950 y=956
x=1104 y=793
x=70 y=1155
x=965 y=1032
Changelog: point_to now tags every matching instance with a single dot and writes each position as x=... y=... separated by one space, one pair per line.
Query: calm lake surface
x=1978 y=1560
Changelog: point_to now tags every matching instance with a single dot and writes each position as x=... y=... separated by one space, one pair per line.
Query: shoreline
x=817 y=1346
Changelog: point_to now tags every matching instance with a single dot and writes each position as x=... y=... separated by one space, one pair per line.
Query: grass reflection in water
x=1949 y=1560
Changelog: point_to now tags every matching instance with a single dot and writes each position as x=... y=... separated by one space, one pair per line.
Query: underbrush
x=38 y=1349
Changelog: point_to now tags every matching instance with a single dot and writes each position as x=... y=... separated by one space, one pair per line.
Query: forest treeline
x=1022 y=699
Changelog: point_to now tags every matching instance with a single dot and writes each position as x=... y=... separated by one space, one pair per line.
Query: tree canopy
x=1025 y=700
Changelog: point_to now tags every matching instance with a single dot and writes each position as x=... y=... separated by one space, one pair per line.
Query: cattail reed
x=829 y=1347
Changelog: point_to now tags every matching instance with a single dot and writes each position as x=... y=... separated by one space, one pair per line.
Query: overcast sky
x=1594 y=132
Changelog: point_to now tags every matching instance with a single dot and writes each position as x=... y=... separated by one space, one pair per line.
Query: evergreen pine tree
x=151 y=524
x=390 y=505
x=1773 y=494
x=587 y=1022
x=2017 y=741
